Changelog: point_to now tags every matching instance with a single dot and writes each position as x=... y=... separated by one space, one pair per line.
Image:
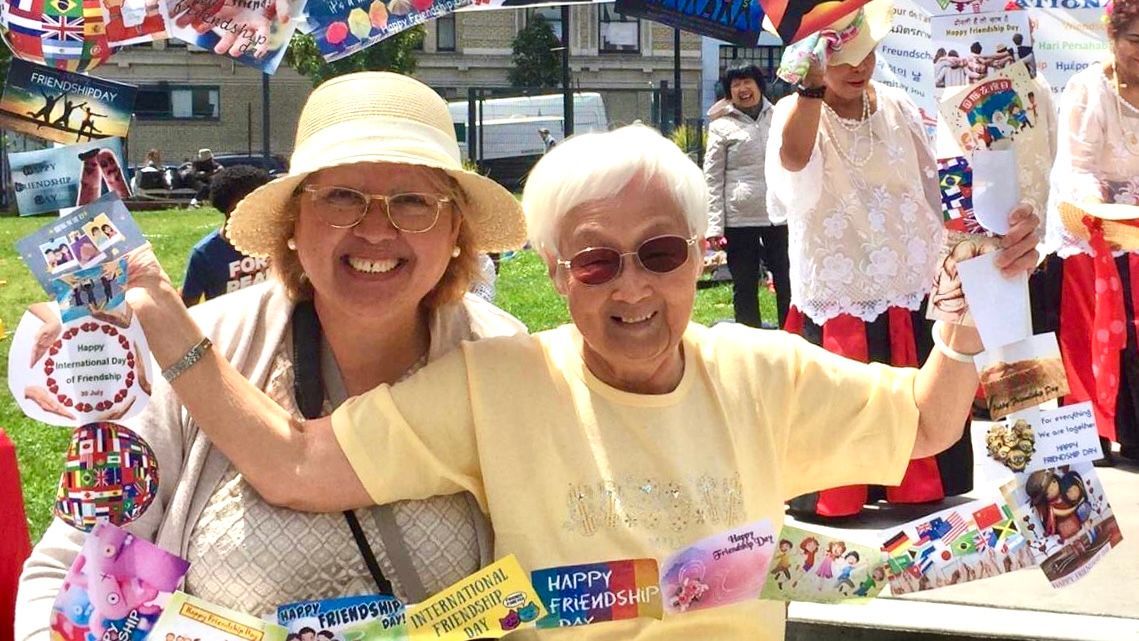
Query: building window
x=178 y=103
x=766 y=58
x=616 y=32
x=445 y=33
x=552 y=16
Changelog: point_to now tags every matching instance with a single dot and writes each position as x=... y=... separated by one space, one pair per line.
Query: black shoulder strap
x=309 y=389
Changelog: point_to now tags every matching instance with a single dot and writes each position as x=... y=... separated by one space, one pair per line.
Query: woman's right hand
x=814 y=77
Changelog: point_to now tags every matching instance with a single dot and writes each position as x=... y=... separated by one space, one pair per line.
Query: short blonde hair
x=456 y=280
x=596 y=166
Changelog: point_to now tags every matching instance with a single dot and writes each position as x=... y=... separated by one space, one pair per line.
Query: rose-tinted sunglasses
x=599 y=265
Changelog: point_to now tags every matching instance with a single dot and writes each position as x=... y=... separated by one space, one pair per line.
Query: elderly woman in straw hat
x=374 y=238
x=1098 y=162
x=628 y=434
x=851 y=167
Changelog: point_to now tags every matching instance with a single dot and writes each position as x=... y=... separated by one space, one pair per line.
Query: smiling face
x=1125 y=44
x=745 y=93
x=849 y=81
x=633 y=324
x=373 y=268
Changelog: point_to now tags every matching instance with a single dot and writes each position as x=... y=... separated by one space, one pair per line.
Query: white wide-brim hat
x=375 y=117
x=878 y=19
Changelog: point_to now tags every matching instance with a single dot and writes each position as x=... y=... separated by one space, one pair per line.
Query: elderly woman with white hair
x=628 y=434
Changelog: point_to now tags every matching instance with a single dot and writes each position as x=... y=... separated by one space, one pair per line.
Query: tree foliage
x=396 y=53
x=536 y=63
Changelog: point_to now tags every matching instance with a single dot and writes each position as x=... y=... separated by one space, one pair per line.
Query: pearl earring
x=291 y=244
x=456 y=251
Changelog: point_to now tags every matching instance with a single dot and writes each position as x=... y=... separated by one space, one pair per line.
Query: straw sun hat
x=375 y=117
x=1120 y=222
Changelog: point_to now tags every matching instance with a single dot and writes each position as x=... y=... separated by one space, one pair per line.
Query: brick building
x=191 y=99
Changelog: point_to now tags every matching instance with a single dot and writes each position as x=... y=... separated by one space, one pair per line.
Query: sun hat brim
x=877 y=24
x=493 y=214
x=1124 y=237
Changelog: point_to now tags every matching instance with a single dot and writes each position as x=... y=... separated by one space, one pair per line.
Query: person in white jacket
x=737 y=194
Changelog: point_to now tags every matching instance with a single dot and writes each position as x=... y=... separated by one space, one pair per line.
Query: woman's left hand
x=1018 y=247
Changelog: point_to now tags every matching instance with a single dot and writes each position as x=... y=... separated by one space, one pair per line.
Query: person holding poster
x=374 y=238
x=1097 y=162
x=850 y=166
x=629 y=434
x=737 y=206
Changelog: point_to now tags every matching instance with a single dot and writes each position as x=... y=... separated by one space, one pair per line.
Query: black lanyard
x=308 y=386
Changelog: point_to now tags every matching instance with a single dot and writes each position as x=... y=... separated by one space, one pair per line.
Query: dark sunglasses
x=599 y=265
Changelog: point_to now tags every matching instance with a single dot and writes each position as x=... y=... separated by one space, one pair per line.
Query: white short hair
x=596 y=166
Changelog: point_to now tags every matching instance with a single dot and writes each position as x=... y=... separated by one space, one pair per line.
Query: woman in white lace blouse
x=851 y=167
x=1097 y=161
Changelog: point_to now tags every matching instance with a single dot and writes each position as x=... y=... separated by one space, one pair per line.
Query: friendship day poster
x=64 y=107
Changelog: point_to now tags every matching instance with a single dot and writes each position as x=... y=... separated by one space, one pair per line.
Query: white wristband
x=946 y=350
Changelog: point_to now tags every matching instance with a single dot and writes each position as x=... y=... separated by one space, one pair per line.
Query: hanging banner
x=1067 y=41
x=343 y=27
x=254 y=33
x=905 y=62
x=62 y=106
x=739 y=22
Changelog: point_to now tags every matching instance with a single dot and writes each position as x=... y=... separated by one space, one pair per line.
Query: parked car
x=274 y=165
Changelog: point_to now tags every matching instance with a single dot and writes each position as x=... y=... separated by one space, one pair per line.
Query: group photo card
x=1067 y=519
x=98 y=232
x=343 y=27
x=115 y=588
x=810 y=565
x=62 y=106
x=969 y=48
x=947 y=297
x=585 y=594
x=254 y=33
x=722 y=569
x=71 y=176
x=1022 y=375
x=976 y=540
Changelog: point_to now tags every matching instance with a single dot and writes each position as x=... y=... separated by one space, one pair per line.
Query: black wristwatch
x=812 y=92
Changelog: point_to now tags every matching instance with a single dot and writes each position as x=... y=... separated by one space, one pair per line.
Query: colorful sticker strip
x=491 y=603
x=584 y=594
x=719 y=570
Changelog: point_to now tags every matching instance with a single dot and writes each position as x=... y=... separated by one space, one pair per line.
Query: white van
x=510 y=125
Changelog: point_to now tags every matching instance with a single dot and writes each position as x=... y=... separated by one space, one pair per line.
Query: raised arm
x=290 y=463
x=802 y=128
x=944 y=388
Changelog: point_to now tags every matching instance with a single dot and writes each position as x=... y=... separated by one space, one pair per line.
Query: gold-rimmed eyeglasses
x=344 y=208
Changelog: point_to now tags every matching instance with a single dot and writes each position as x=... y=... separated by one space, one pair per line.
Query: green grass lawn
x=523 y=290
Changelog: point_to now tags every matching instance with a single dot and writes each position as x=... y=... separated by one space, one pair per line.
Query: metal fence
x=499 y=129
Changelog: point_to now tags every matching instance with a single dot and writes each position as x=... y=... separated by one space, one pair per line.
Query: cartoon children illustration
x=844 y=583
x=825 y=570
x=781 y=562
x=876 y=577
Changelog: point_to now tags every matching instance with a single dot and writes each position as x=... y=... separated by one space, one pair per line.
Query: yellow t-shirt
x=573 y=471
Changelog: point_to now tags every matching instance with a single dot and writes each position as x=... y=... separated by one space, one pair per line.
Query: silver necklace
x=1130 y=137
x=854 y=127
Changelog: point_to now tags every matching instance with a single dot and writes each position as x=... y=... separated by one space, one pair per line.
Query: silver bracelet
x=186 y=362
x=948 y=351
